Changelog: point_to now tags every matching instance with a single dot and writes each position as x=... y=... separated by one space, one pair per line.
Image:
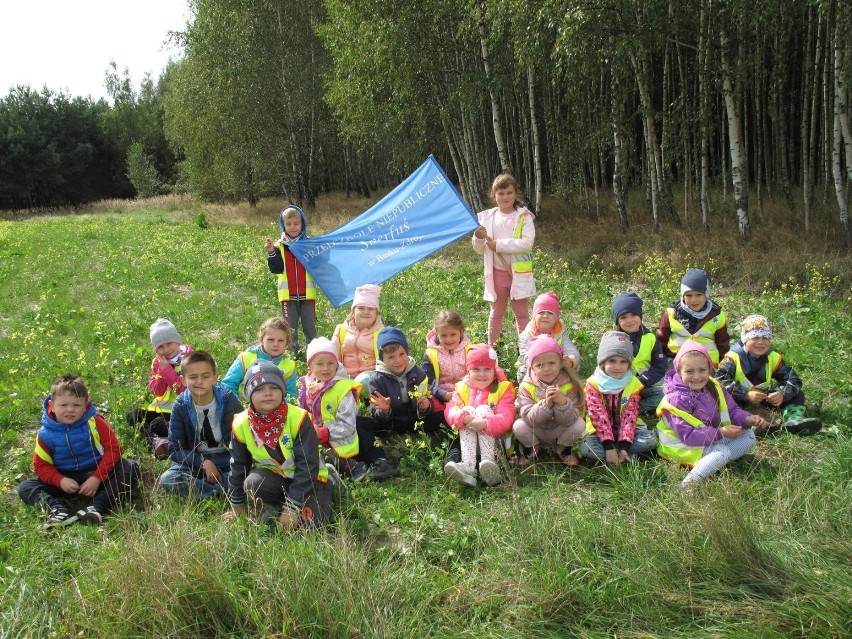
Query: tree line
x=277 y=97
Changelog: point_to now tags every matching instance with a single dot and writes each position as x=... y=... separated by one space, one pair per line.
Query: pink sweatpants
x=502 y=288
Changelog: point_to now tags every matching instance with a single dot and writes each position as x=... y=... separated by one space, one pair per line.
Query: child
x=508 y=233
x=297 y=291
x=331 y=397
x=757 y=377
x=482 y=412
x=165 y=383
x=356 y=337
x=551 y=403
x=546 y=321
x=275 y=462
x=444 y=358
x=649 y=362
x=273 y=343
x=701 y=426
x=694 y=316
x=76 y=453
x=614 y=431
x=200 y=431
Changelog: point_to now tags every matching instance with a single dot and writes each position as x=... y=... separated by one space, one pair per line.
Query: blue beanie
x=626 y=303
x=695 y=280
x=390 y=335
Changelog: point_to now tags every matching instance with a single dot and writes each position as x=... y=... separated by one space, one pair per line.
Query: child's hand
x=756 y=397
x=211 y=473
x=477 y=424
x=449 y=397
x=69 y=486
x=623 y=457
x=775 y=398
x=612 y=457
x=423 y=403
x=480 y=233
x=757 y=421
x=288 y=520
x=269 y=245
x=569 y=362
x=380 y=401
x=162 y=362
x=233 y=513
x=732 y=432
x=556 y=396
x=89 y=488
x=491 y=244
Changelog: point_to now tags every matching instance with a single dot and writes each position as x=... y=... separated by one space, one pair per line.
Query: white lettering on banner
x=391 y=252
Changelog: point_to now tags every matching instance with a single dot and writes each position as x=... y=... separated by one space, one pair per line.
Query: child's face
x=545 y=321
x=449 y=337
x=395 y=360
x=167 y=350
x=323 y=367
x=547 y=367
x=481 y=376
x=293 y=225
x=694 y=300
x=199 y=379
x=274 y=342
x=365 y=316
x=616 y=367
x=69 y=408
x=266 y=398
x=758 y=346
x=505 y=198
x=694 y=370
x=629 y=322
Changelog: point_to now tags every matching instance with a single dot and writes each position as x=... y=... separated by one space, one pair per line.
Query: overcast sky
x=68 y=44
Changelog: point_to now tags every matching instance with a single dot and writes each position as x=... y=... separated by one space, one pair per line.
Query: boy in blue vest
x=200 y=431
x=76 y=456
x=758 y=378
x=649 y=362
x=297 y=291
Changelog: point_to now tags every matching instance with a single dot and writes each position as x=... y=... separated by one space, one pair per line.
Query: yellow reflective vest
x=346 y=446
x=532 y=389
x=706 y=335
x=769 y=384
x=633 y=386
x=284 y=286
x=287 y=367
x=521 y=263
x=642 y=359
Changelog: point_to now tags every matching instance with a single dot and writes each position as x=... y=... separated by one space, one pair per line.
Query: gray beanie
x=615 y=344
x=260 y=373
x=163 y=331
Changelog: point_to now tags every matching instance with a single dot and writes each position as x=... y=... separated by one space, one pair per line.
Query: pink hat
x=691 y=346
x=321 y=346
x=546 y=302
x=481 y=355
x=540 y=345
x=366 y=295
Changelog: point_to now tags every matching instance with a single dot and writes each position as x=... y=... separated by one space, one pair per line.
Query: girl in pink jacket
x=356 y=337
x=483 y=410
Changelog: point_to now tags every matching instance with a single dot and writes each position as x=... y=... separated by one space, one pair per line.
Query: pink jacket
x=357 y=346
x=499 y=416
x=511 y=250
x=163 y=379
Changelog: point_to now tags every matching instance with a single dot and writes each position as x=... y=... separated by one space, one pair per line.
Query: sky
x=68 y=44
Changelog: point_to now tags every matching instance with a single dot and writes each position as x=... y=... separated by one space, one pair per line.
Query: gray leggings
x=304 y=312
x=720 y=454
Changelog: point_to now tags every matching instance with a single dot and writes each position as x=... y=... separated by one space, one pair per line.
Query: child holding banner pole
x=505 y=238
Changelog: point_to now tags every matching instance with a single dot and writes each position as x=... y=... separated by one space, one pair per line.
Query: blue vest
x=72 y=447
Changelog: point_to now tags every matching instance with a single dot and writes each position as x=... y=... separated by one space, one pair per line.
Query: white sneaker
x=490 y=472
x=461 y=472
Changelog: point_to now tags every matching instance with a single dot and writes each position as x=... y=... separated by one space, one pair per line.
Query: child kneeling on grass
x=200 y=431
x=76 y=455
x=701 y=426
x=483 y=411
x=275 y=462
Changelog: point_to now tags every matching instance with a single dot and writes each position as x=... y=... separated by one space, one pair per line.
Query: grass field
x=762 y=551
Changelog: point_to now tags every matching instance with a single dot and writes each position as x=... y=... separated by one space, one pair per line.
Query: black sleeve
x=307 y=462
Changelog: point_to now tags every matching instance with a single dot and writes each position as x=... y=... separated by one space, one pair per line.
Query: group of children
x=276 y=444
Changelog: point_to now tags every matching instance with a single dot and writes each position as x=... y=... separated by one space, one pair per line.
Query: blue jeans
x=650 y=398
x=183 y=480
x=644 y=442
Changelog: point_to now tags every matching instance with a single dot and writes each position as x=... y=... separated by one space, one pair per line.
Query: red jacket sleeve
x=112 y=449
x=45 y=471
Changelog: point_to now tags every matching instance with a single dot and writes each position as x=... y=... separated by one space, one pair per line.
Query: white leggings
x=469 y=440
x=720 y=454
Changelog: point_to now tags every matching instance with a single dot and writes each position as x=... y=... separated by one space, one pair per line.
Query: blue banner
x=420 y=216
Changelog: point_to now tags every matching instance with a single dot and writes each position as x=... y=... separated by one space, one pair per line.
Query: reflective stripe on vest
x=283 y=285
x=703 y=335
x=671 y=446
x=642 y=359
x=96 y=442
x=532 y=389
x=257 y=449
x=633 y=386
x=287 y=367
x=432 y=356
x=523 y=262
x=772 y=363
x=165 y=402
x=348 y=446
x=463 y=391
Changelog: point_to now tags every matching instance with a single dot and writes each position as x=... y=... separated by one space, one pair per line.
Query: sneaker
x=463 y=473
x=337 y=484
x=359 y=471
x=453 y=454
x=383 y=469
x=58 y=515
x=806 y=426
x=90 y=516
x=490 y=473
x=160 y=446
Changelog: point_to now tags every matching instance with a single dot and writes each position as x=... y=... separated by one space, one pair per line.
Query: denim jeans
x=183 y=480
x=644 y=442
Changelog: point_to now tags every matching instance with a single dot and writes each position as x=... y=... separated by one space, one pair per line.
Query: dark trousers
x=267 y=489
x=300 y=312
x=118 y=487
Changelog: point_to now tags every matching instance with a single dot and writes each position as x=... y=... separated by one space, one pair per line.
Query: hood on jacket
x=50 y=423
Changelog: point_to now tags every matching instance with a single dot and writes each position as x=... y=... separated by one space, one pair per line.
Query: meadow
x=761 y=551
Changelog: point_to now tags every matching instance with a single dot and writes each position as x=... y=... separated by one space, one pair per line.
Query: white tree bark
x=738 y=177
x=536 y=150
x=496 y=110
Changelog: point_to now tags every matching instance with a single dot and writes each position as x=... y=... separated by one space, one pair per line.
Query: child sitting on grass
x=551 y=403
x=444 y=358
x=275 y=463
x=76 y=455
x=273 y=343
x=356 y=337
x=649 y=362
x=483 y=411
x=546 y=321
x=200 y=431
x=701 y=426
x=614 y=431
x=694 y=316
x=758 y=378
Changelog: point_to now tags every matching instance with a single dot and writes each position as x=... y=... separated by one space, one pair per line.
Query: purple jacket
x=703 y=405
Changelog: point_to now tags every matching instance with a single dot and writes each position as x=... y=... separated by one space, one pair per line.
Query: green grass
x=761 y=551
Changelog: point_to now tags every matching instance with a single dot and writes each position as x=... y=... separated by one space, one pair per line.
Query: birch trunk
x=536 y=144
x=841 y=132
x=496 y=109
x=704 y=91
x=736 y=145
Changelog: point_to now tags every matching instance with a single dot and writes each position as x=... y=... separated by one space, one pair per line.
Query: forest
x=297 y=99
